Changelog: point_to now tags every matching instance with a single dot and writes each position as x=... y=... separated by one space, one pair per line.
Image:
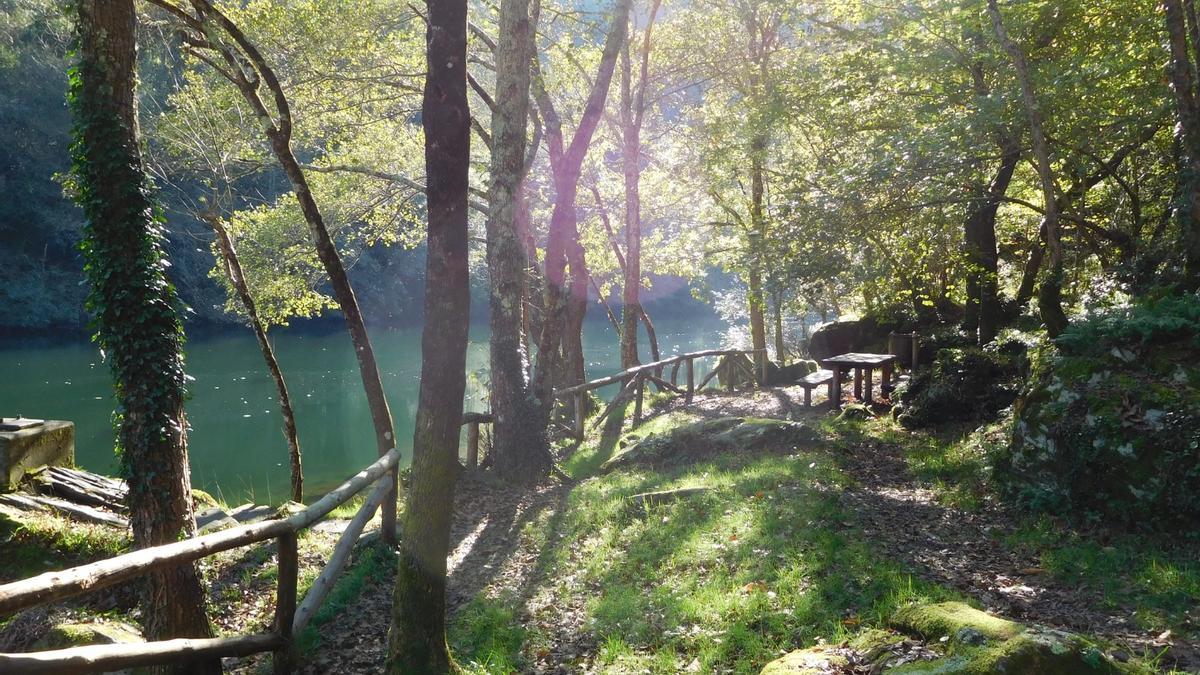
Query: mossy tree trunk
x=520 y=450
x=983 y=315
x=417 y=642
x=1182 y=29
x=136 y=314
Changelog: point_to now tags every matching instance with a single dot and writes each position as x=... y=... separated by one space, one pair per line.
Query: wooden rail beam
x=107 y=658
x=53 y=586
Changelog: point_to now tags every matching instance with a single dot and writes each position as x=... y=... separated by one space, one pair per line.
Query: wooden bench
x=813 y=380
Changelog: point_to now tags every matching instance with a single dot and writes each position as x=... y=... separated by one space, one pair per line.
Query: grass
x=1156 y=580
x=39 y=543
x=371 y=566
x=763 y=562
x=1159 y=583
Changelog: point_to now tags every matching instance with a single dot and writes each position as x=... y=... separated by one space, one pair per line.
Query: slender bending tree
x=135 y=312
x=520 y=448
x=210 y=36
x=233 y=270
x=417 y=643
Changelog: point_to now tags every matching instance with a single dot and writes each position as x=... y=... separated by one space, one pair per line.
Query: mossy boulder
x=706 y=438
x=812 y=661
x=65 y=635
x=962 y=384
x=1108 y=427
x=979 y=643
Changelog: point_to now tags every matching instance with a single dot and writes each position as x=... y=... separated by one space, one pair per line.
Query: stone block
x=21 y=451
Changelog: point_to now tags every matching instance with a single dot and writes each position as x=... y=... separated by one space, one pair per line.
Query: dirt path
x=488 y=555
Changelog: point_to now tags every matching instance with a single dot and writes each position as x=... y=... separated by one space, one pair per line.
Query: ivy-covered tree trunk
x=233 y=270
x=519 y=448
x=417 y=643
x=136 y=314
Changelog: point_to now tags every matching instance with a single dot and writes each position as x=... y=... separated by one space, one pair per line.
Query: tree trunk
x=983 y=292
x=780 y=348
x=136 y=315
x=233 y=270
x=520 y=450
x=632 y=269
x=417 y=642
x=1050 y=292
x=1187 y=131
x=758 y=324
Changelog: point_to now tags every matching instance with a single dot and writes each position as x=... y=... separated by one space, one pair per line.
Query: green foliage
x=371 y=567
x=764 y=560
x=1109 y=426
x=1158 y=318
x=487 y=635
x=33 y=544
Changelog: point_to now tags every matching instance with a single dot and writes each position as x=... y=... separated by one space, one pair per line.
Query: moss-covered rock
x=813 y=661
x=66 y=635
x=1108 y=427
x=962 y=384
x=706 y=438
x=979 y=643
x=948 y=618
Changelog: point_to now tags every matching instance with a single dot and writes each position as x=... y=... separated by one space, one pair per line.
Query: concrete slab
x=49 y=444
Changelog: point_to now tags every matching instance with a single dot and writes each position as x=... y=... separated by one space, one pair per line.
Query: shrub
x=962 y=384
x=1108 y=427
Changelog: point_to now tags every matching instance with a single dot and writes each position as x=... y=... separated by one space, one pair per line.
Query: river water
x=236 y=441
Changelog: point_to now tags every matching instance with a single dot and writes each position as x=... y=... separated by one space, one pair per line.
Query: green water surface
x=236 y=441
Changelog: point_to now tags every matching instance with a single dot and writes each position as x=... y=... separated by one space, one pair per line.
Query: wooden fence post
x=472 y=445
x=579 y=415
x=691 y=380
x=285 y=603
x=637 y=405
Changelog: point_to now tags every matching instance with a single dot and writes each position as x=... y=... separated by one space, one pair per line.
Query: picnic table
x=860 y=362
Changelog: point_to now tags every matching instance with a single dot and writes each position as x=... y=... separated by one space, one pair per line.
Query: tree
x=243 y=66
x=560 y=345
x=1050 y=293
x=520 y=450
x=1183 y=35
x=237 y=279
x=633 y=113
x=417 y=642
x=136 y=313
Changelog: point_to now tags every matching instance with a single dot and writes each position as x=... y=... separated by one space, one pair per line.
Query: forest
x=600 y=336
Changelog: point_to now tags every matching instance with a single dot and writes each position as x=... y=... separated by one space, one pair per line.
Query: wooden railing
x=634 y=381
x=289 y=619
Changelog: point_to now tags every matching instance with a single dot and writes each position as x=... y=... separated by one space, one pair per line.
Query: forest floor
x=785 y=547
x=788 y=547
